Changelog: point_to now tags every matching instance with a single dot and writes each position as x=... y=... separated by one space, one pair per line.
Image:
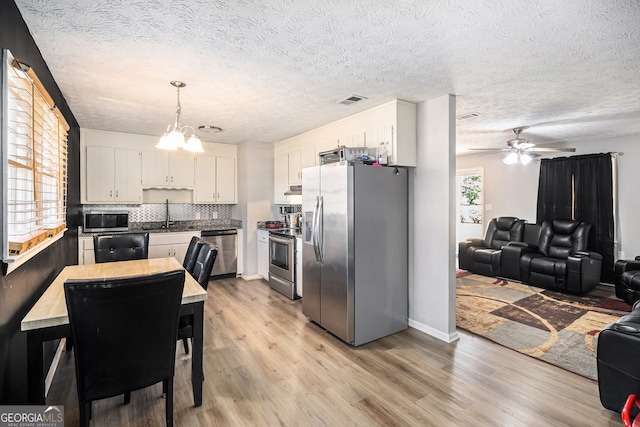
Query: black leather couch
x=552 y=255
x=482 y=256
x=618 y=367
x=561 y=261
x=627 y=279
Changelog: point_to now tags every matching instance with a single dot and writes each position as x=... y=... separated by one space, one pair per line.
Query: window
x=34 y=158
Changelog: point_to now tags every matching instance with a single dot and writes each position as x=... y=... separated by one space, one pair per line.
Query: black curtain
x=555 y=189
x=588 y=180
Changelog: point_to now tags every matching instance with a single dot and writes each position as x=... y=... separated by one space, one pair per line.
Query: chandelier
x=175 y=135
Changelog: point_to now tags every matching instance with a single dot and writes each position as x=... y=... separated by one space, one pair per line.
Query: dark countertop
x=176 y=227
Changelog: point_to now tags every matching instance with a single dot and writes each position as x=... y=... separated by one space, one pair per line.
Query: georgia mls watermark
x=31 y=416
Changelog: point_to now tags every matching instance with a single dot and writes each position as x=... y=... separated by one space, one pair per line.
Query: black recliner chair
x=618 y=367
x=482 y=256
x=627 y=279
x=561 y=261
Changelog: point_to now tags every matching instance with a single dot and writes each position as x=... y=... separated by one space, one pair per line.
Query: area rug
x=557 y=328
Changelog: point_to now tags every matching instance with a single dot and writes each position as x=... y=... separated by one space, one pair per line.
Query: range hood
x=294 y=190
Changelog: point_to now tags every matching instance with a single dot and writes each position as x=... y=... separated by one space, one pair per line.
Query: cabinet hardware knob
x=111 y=193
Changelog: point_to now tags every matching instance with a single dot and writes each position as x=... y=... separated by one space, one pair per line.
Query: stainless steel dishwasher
x=226 y=264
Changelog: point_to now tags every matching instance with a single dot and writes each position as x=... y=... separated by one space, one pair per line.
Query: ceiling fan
x=521 y=150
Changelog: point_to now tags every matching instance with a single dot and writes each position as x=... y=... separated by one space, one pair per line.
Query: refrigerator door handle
x=314 y=231
x=320 y=232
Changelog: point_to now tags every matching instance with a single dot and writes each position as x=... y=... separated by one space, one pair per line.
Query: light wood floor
x=265 y=365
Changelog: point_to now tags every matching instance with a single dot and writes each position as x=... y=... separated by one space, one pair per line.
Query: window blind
x=36 y=161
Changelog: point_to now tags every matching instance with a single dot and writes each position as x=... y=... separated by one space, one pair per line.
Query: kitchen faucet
x=167 y=222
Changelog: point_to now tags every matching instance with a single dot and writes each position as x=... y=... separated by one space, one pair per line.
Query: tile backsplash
x=177 y=211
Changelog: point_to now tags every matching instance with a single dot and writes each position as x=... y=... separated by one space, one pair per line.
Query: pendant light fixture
x=175 y=135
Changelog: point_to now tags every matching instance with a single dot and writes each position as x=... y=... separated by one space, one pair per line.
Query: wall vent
x=351 y=99
x=467 y=116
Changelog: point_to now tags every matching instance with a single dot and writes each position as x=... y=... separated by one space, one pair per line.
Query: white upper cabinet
x=215 y=180
x=390 y=127
x=298 y=160
x=112 y=175
x=120 y=167
x=281 y=178
x=164 y=169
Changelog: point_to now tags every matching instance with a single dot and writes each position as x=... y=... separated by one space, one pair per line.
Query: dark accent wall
x=20 y=289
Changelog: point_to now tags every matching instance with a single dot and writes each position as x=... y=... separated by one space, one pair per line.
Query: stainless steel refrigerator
x=355 y=243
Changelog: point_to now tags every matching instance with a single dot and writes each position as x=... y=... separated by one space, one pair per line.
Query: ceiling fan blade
x=552 y=150
x=497 y=150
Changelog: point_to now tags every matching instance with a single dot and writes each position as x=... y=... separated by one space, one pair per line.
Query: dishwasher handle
x=206 y=233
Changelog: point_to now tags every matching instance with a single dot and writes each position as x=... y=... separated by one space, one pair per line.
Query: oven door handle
x=282 y=240
x=314 y=229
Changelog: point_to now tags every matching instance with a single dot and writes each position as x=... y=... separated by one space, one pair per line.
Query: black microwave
x=105 y=221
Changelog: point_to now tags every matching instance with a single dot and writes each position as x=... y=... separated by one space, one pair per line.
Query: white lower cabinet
x=263 y=254
x=162 y=245
x=85 y=251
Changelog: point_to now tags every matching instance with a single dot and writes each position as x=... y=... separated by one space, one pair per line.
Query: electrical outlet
x=622 y=255
x=487 y=207
x=214 y=215
x=197 y=215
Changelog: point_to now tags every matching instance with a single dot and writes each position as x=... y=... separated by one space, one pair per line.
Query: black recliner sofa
x=561 y=261
x=482 y=256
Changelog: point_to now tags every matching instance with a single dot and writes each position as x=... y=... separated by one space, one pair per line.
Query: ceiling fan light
x=525 y=159
x=510 y=159
x=194 y=145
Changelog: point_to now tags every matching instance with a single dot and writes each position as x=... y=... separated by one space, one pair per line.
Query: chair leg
x=169 y=402
x=185 y=343
x=127 y=398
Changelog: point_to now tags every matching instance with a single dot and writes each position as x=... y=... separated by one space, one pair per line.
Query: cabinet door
x=155 y=170
x=308 y=157
x=181 y=167
x=295 y=168
x=205 y=179
x=100 y=178
x=180 y=251
x=127 y=176
x=281 y=178
x=160 y=251
x=226 y=179
x=263 y=260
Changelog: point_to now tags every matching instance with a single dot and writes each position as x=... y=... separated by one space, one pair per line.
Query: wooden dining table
x=48 y=318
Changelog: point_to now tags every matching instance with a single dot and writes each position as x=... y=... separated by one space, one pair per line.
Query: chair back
x=204 y=264
x=124 y=331
x=192 y=253
x=121 y=247
x=502 y=230
x=562 y=238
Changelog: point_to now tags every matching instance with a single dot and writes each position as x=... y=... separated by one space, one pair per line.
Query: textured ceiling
x=267 y=70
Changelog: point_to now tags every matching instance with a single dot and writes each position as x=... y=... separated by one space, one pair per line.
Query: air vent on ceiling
x=467 y=116
x=351 y=99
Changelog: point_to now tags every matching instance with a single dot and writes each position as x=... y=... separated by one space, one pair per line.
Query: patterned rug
x=558 y=328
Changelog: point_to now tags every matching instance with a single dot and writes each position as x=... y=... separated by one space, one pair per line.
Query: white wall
x=512 y=190
x=255 y=197
x=432 y=222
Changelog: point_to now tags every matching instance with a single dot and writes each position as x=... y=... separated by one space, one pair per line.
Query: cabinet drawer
x=263 y=236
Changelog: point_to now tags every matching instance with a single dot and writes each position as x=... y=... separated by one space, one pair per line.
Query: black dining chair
x=201 y=272
x=192 y=253
x=121 y=247
x=125 y=333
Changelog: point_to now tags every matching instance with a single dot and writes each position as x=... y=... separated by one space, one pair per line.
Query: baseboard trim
x=251 y=277
x=442 y=336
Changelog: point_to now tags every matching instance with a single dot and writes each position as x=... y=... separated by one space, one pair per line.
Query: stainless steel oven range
x=282 y=262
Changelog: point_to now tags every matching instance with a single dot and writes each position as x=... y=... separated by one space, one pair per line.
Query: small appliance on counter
x=292 y=219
